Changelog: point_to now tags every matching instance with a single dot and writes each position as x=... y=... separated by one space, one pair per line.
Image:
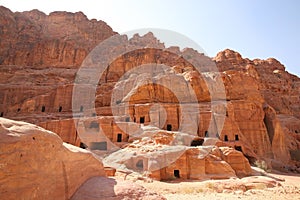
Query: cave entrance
x=169 y=127
x=43 y=108
x=238 y=148
x=142 y=120
x=177 y=173
x=119 y=137
x=269 y=125
x=1 y=115
x=81 y=108
x=206 y=134
x=197 y=142
x=83 y=146
x=226 y=138
x=60 y=109
x=237 y=137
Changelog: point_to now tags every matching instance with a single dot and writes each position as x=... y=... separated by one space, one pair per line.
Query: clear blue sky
x=255 y=28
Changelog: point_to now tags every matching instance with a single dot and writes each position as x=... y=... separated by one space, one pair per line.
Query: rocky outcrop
x=66 y=129
x=36 y=164
x=278 y=88
x=280 y=102
x=40 y=55
x=163 y=158
x=60 y=39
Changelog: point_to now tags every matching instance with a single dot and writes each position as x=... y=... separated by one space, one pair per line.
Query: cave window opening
x=83 y=146
x=237 y=137
x=142 y=120
x=119 y=137
x=19 y=109
x=169 y=127
x=197 y=142
x=177 y=173
x=81 y=108
x=140 y=164
x=206 y=134
x=238 y=148
x=60 y=109
x=43 y=108
x=226 y=138
x=1 y=115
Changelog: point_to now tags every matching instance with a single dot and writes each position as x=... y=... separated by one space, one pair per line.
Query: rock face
x=61 y=39
x=36 y=164
x=279 y=108
x=40 y=56
x=163 y=159
x=65 y=128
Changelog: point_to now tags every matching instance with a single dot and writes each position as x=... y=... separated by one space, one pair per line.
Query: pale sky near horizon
x=254 y=28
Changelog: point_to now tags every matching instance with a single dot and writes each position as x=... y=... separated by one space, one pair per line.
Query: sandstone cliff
x=40 y=56
x=280 y=92
x=61 y=39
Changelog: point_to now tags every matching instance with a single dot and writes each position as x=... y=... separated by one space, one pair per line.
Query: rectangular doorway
x=119 y=137
x=142 y=120
x=177 y=173
x=169 y=127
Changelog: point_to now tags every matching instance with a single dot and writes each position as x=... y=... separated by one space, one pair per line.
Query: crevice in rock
x=268 y=121
x=64 y=172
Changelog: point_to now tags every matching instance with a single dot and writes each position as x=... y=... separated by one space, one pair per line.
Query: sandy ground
x=287 y=188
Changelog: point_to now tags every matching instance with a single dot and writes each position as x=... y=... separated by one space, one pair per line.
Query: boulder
x=36 y=164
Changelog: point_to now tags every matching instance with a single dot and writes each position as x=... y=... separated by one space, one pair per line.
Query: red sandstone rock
x=61 y=39
x=154 y=155
x=40 y=55
x=36 y=164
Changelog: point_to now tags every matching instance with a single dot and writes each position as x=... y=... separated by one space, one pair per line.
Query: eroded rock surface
x=40 y=55
x=36 y=164
x=160 y=156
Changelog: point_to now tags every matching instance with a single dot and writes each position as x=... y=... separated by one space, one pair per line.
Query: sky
x=254 y=28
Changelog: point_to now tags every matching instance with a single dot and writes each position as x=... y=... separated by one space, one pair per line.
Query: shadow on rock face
x=97 y=188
